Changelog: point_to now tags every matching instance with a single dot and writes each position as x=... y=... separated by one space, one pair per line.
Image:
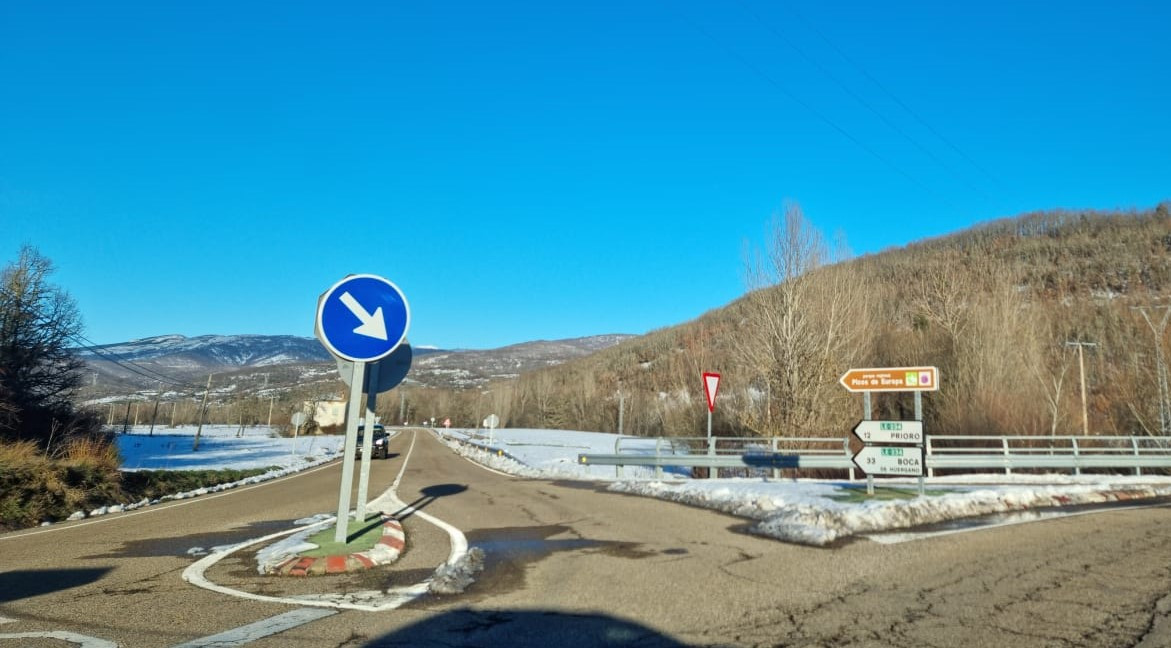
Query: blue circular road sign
x=362 y=318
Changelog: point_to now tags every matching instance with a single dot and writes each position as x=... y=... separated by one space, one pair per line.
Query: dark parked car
x=379 y=450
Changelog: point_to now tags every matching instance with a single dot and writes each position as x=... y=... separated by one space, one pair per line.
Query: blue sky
x=541 y=170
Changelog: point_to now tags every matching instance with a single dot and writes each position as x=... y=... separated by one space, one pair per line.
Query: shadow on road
x=428 y=495
x=22 y=584
x=522 y=628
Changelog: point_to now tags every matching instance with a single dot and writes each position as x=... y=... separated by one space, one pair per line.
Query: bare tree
x=803 y=325
x=39 y=372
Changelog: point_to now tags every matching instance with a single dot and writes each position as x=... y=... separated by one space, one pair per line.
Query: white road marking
x=1018 y=517
x=372 y=601
x=4 y=620
x=156 y=509
x=260 y=629
x=73 y=638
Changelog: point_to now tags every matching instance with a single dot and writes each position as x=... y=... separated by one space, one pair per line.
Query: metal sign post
x=711 y=385
x=867 y=414
x=898 y=460
x=362 y=318
x=919 y=418
x=491 y=422
x=343 y=499
x=367 y=442
x=297 y=420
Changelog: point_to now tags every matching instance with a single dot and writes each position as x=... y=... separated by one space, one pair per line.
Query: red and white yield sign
x=711 y=384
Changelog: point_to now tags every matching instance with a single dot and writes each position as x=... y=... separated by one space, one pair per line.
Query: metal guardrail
x=941 y=452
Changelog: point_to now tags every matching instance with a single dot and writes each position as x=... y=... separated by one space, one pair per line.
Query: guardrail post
x=1077 y=469
x=1007 y=461
x=930 y=470
x=658 y=466
x=617 y=467
x=776 y=471
x=1138 y=470
x=711 y=451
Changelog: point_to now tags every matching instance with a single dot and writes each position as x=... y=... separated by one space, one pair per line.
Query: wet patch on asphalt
x=510 y=551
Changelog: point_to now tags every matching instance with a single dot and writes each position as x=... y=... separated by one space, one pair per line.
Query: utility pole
x=1161 y=369
x=202 y=409
x=1082 y=368
x=126 y=423
x=402 y=405
x=271 y=400
x=621 y=408
x=153 y=417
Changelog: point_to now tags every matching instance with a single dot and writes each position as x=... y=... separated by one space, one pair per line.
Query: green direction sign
x=889 y=431
x=897 y=461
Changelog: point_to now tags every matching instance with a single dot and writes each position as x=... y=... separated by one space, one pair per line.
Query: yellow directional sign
x=891 y=379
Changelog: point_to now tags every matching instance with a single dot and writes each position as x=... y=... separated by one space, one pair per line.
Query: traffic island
x=377 y=540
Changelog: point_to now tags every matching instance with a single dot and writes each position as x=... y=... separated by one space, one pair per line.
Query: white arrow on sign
x=373 y=325
x=885 y=460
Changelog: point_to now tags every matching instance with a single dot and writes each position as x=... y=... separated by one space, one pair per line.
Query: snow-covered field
x=553 y=453
x=220 y=447
x=815 y=512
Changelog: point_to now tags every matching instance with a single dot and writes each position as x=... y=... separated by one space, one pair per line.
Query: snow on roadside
x=219 y=449
x=549 y=454
x=812 y=512
x=805 y=511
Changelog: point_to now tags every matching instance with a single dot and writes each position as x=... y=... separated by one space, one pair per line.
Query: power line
x=923 y=122
x=810 y=108
x=861 y=100
x=129 y=365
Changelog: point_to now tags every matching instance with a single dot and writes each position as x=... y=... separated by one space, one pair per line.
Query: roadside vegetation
x=84 y=476
x=54 y=457
x=999 y=308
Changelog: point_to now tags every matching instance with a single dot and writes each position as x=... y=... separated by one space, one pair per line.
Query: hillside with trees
x=1000 y=308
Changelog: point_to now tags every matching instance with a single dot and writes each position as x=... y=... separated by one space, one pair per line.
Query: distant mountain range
x=252 y=363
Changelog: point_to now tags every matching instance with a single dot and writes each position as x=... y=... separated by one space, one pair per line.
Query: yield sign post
x=711 y=384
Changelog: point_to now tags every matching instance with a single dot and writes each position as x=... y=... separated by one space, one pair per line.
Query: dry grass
x=98 y=453
x=19 y=452
x=34 y=487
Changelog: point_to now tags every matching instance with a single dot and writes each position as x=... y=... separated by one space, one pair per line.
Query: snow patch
x=456 y=577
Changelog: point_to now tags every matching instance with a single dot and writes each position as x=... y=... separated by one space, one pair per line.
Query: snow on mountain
x=178 y=351
x=256 y=362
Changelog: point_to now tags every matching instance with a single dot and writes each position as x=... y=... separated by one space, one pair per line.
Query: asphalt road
x=570 y=565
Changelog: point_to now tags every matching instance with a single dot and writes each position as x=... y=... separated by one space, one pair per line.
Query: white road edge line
x=158 y=508
x=895 y=537
x=260 y=629
x=397 y=596
x=61 y=635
